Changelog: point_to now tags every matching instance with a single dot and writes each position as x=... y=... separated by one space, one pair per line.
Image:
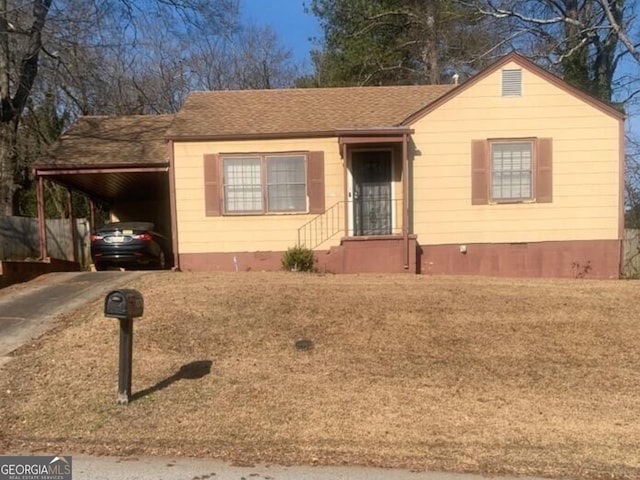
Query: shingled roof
x=312 y=111
x=111 y=141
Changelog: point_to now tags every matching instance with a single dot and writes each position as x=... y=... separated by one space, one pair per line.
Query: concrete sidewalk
x=28 y=310
x=158 y=468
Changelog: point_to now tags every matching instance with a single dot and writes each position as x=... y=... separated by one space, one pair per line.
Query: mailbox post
x=125 y=305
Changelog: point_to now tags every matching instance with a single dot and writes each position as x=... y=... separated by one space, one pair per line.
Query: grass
x=535 y=377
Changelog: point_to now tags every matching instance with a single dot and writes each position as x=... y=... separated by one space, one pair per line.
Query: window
x=259 y=183
x=511 y=171
x=286 y=185
x=264 y=183
x=512 y=83
x=242 y=185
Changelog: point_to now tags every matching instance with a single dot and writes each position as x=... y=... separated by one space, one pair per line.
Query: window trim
x=264 y=186
x=534 y=159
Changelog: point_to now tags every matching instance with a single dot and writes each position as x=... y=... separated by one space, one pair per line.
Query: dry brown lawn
x=537 y=377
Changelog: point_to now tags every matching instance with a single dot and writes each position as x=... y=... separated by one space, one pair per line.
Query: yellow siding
x=585 y=166
x=585 y=176
x=198 y=233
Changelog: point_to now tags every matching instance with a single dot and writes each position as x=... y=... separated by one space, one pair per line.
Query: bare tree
x=251 y=58
x=259 y=61
x=583 y=40
x=88 y=49
x=16 y=82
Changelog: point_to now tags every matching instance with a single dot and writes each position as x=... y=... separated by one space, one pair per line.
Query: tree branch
x=615 y=25
x=501 y=13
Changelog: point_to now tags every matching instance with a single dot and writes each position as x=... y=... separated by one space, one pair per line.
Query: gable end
x=525 y=64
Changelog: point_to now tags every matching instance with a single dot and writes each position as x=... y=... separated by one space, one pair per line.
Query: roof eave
x=51 y=167
x=368 y=131
x=373 y=131
x=246 y=136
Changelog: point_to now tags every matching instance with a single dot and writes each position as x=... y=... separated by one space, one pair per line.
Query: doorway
x=371 y=173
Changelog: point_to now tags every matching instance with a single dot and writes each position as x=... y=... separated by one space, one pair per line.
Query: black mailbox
x=123 y=304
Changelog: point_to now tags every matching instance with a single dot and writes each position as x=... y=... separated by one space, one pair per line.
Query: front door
x=371 y=172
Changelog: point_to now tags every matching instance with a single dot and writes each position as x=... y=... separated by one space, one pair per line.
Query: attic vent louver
x=512 y=83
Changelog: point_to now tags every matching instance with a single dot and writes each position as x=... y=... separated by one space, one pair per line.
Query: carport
x=121 y=162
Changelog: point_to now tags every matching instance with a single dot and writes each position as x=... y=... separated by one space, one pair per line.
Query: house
x=512 y=173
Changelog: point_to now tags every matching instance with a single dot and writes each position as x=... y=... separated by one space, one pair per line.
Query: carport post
x=72 y=225
x=42 y=221
x=92 y=218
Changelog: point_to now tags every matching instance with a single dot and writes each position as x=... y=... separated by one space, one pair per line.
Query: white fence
x=19 y=239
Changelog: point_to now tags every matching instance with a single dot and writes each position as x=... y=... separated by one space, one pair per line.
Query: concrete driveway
x=30 y=309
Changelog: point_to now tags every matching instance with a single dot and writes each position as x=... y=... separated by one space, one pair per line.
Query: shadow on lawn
x=189 y=371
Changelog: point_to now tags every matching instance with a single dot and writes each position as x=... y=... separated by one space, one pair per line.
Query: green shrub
x=299 y=259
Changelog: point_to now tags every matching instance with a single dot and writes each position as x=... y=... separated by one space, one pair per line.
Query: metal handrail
x=323 y=227
x=333 y=222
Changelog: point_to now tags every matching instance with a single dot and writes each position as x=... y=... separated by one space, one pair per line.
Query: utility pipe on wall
x=405 y=200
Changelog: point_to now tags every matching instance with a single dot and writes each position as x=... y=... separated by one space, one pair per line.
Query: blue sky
x=288 y=18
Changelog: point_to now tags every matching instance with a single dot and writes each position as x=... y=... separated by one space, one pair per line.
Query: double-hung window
x=255 y=184
x=263 y=183
x=518 y=170
x=286 y=184
x=511 y=171
x=242 y=185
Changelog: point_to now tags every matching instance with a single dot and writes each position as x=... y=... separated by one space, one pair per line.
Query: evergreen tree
x=392 y=42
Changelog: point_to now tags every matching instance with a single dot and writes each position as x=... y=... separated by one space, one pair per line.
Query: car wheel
x=99 y=267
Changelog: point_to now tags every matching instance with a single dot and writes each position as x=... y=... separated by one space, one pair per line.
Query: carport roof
x=110 y=141
x=122 y=158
